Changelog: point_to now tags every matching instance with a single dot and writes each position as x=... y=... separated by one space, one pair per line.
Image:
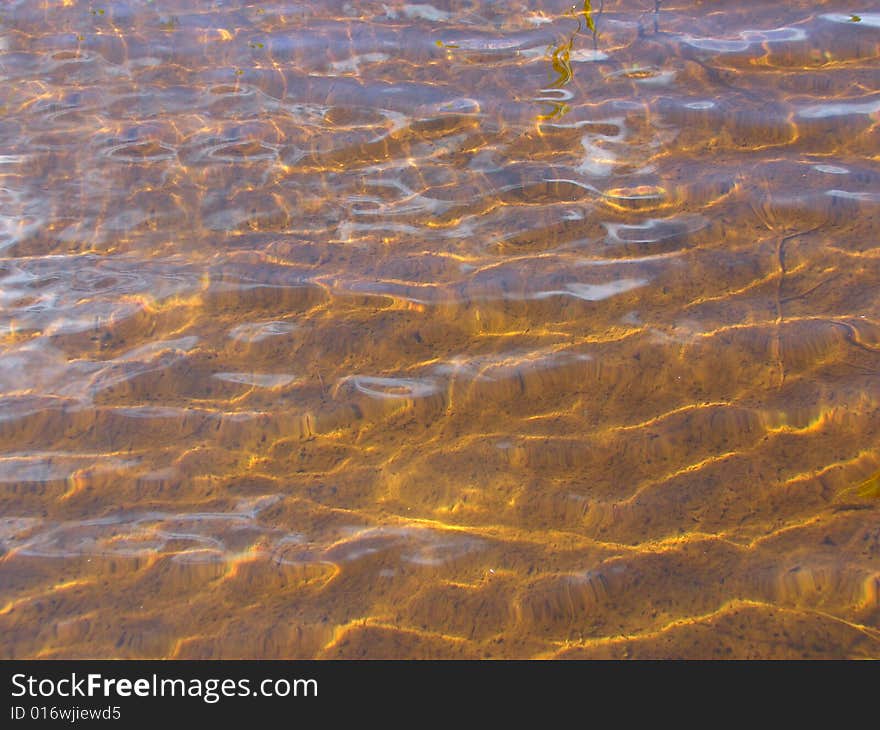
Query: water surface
x=464 y=329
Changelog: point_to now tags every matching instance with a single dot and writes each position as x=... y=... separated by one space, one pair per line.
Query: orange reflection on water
x=438 y=330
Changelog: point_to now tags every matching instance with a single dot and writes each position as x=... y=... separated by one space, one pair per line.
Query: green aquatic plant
x=561 y=63
x=561 y=72
x=587 y=13
x=560 y=58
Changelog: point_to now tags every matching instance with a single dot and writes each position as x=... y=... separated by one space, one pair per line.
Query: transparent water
x=464 y=329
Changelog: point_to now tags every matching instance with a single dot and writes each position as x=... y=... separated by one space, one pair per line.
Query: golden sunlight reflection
x=439 y=329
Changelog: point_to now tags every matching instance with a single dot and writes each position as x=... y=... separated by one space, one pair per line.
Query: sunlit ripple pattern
x=450 y=329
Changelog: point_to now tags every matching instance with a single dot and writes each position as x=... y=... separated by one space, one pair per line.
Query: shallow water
x=470 y=329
